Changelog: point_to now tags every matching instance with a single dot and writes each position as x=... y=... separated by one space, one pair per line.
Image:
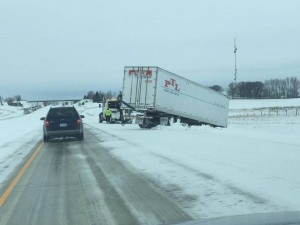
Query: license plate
x=63 y=125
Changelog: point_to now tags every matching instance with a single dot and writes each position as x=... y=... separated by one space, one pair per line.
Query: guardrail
x=284 y=111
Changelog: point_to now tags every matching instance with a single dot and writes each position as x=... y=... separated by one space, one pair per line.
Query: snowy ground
x=19 y=133
x=251 y=166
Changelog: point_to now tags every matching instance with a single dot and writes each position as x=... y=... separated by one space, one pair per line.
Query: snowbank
x=243 y=169
x=19 y=133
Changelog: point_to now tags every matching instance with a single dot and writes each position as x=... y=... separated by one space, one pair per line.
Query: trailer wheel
x=169 y=124
x=147 y=126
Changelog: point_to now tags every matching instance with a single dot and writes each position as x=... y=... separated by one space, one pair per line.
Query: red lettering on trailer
x=167 y=83
x=172 y=82
x=145 y=73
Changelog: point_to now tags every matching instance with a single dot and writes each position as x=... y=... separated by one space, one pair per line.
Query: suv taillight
x=46 y=123
x=79 y=121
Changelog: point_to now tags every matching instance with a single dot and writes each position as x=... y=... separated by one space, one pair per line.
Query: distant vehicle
x=62 y=122
x=119 y=115
x=26 y=110
x=114 y=106
x=161 y=95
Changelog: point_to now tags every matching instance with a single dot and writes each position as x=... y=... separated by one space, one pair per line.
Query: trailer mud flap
x=164 y=121
x=139 y=120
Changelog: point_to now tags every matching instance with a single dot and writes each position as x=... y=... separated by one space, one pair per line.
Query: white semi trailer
x=161 y=95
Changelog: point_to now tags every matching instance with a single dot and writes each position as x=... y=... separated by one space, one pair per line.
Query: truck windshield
x=113 y=104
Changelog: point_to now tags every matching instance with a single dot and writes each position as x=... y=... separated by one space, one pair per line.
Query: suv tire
x=46 y=138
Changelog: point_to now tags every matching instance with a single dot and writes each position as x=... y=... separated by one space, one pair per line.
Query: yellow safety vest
x=107 y=112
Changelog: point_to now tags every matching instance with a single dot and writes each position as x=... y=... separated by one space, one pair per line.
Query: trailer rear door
x=139 y=86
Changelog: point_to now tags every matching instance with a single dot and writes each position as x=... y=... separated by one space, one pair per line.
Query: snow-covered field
x=251 y=166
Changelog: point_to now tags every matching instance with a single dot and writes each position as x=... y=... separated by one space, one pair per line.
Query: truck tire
x=146 y=126
x=81 y=137
x=46 y=138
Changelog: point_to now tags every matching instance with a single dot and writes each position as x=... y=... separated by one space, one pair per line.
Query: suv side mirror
x=42 y=118
x=81 y=116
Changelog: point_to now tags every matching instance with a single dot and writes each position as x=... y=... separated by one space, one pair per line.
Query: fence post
x=286 y=112
x=277 y=112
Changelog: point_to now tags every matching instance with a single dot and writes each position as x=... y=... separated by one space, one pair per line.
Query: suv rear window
x=59 y=113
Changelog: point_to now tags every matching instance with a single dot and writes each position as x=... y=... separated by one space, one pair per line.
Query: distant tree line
x=274 y=88
x=12 y=101
x=99 y=96
x=217 y=88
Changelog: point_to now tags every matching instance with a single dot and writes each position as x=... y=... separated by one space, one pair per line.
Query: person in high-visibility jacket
x=107 y=114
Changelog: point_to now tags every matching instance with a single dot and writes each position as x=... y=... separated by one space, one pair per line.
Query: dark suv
x=62 y=122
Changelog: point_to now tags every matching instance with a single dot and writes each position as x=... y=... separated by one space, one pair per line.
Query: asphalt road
x=73 y=182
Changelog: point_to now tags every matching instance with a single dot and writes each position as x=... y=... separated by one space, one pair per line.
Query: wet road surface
x=73 y=182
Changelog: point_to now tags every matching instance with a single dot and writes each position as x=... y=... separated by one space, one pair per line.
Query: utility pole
x=235 y=69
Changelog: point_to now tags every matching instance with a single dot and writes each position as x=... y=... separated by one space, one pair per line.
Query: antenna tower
x=235 y=70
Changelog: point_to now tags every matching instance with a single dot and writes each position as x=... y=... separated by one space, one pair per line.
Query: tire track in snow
x=112 y=135
x=233 y=189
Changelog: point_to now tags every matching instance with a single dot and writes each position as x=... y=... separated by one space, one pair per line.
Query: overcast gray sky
x=64 y=48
